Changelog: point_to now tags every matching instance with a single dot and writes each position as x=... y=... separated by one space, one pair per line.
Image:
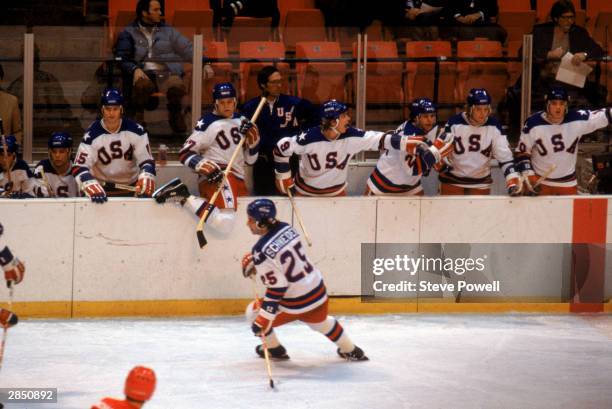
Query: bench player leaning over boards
x=325 y=151
x=55 y=173
x=114 y=149
x=548 y=146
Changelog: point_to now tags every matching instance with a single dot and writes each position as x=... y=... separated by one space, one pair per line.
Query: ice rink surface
x=416 y=361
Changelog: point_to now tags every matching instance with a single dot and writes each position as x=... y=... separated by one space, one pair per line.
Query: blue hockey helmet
x=425 y=106
x=556 y=93
x=111 y=96
x=478 y=96
x=223 y=90
x=60 y=140
x=262 y=210
x=332 y=109
x=11 y=144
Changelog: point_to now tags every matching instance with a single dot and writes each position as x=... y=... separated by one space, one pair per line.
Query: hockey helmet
x=262 y=210
x=60 y=140
x=11 y=144
x=140 y=384
x=478 y=96
x=223 y=90
x=556 y=93
x=332 y=109
x=425 y=106
x=111 y=96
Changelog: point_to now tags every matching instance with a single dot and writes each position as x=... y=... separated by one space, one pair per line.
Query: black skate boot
x=173 y=191
x=355 y=355
x=278 y=354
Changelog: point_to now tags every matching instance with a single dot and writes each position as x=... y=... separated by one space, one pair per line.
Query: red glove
x=145 y=186
x=251 y=132
x=248 y=266
x=7 y=318
x=261 y=325
x=514 y=185
x=14 y=271
x=210 y=170
x=284 y=184
x=94 y=191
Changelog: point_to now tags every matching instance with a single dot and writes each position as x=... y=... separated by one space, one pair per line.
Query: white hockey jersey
x=395 y=172
x=114 y=157
x=21 y=177
x=59 y=185
x=294 y=284
x=473 y=149
x=324 y=163
x=215 y=138
x=554 y=147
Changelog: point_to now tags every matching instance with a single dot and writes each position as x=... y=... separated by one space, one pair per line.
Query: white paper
x=572 y=74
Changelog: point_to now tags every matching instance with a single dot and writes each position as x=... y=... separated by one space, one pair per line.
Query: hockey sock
x=332 y=329
x=271 y=340
x=221 y=220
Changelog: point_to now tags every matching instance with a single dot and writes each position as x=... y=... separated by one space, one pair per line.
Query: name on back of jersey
x=281 y=241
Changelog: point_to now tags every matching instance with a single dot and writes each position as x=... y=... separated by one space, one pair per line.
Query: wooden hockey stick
x=263 y=340
x=200 y=229
x=7 y=171
x=46 y=182
x=5 y=329
x=544 y=176
x=119 y=186
x=299 y=217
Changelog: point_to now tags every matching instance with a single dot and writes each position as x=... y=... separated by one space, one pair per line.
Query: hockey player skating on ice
x=139 y=387
x=295 y=290
x=13 y=274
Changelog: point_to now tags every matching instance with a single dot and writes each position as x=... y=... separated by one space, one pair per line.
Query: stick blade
x=201 y=239
x=271 y=383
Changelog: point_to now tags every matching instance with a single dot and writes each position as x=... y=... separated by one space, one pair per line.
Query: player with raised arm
x=396 y=172
x=55 y=173
x=208 y=150
x=114 y=149
x=548 y=147
x=477 y=137
x=295 y=290
x=14 y=270
x=16 y=179
x=325 y=151
x=139 y=387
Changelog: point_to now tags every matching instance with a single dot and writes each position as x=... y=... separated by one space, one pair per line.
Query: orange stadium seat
x=320 y=81
x=303 y=25
x=223 y=70
x=172 y=6
x=602 y=29
x=190 y=22
x=285 y=5
x=248 y=29
x=517 y=23
x=594 y=7
x=420 y=75
x=384 y=79
x=514 y=5
x=543 y=11
x=493 y=76
x=248 y=70
x=120 y=14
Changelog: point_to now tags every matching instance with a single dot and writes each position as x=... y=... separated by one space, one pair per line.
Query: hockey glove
x=514 y=185
x=94 y=191
x=20 y=195
x=145 y=186
x=248 y=266
x=7 y=318
x=210 y=170
x=531 y=179
x=260 y=326
x=284 y=184
x=14 y=271
x=425 y=160
x=251 y=133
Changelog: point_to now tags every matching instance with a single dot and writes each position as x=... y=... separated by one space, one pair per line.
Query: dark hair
x=264 y=74
x=560 y=7
x=142 y=5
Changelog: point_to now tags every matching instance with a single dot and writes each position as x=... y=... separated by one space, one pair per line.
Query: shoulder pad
x=352 y=133
x=493 y=121
x=94 y=130
x=46 y=166
x=410 y=129
x=534 y=120
x=20 y=164
x=576 y=115
x=457 y=119
x=205 y=121
x=132 y=126
x=310 y=136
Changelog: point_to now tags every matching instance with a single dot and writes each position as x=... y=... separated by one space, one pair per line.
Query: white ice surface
x=417 y=361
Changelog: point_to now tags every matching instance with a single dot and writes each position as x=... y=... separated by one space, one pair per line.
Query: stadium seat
x=303 y=25
x=517 y=23
x=602 y=29
x=493 y=76
x=248 y=29
x=248 y=70
x=514 y=5
x=120 y=14
x=420 y=75
x=223 y=70
x=594 y=7
x=190 y=22
x=384 y=79
x=172 y=6
x=285 y=5
x=543 y=10
x=320 y=81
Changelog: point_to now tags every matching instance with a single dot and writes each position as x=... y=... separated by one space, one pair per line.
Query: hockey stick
x=119 y=186
x=264 y=344
x=200 y=229
x=46 y=182
x=7 y=171
x=299 y=217
x=5 y=329
x=544 y=176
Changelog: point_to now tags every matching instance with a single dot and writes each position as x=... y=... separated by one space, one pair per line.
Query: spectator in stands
x=9 y=113
x=283 y=115
x=423 y=18
x=470 y=19
x=152 y=53
x=226 y=10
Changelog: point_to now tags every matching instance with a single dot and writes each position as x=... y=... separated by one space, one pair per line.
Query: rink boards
x=134 y=257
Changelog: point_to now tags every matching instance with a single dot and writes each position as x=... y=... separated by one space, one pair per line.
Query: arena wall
x=134 y=257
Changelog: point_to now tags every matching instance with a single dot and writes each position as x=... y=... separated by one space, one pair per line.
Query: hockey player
x=139 y=387
x=16 y=180
x=55 y=173
x=396 y=172
x=14 y=270
x=116 y=150
x=477 y=137
x=295 y=290
x=549 y=144
x=283 y=115
x=325 y=150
